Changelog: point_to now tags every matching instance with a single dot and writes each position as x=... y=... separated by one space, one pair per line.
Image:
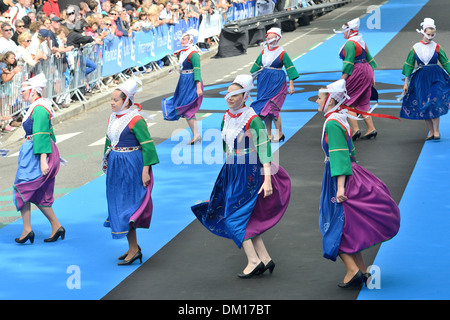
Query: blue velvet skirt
x=428 y=94
x=129 y=202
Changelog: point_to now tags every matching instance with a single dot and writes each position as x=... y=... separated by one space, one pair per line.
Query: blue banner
x=143 y=47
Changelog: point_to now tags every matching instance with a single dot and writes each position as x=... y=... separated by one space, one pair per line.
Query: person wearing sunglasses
x=6 y=44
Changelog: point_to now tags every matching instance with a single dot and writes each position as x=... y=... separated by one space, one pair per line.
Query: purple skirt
x=359 y=86
x=268 y=211
x=371 y=215
x=30 y=185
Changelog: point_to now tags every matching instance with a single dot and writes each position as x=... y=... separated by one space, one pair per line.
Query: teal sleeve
x=142 y=134
x=261 y=140
x=340 y=160
x=42 y=132
x=195 y=60
x=408 y=66
x=290 y=68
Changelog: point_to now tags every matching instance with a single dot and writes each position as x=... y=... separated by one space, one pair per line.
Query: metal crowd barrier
x=65 y=75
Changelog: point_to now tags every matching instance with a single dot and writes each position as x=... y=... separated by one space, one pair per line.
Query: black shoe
x=122 y=257
x=60 y=232
x=430 y=138
x=138 y=255
x=369 y=136
x=255 y=271
x=366 y=277
x=437 y=137
x=356 y=281
x=29 y=236
x=279 y=140
x=269 y=266
x=356 y=135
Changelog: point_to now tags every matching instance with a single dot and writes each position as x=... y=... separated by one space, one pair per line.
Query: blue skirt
x=232 y=200
x=331 y=216
x=428 y=95
x=269 y=84
x=124 y=190
x=185 y=102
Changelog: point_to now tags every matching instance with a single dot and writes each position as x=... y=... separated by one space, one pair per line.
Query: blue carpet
x=413 y=265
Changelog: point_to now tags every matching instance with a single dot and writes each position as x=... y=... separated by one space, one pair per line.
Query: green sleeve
x=370 y=59
x=224 y=144
x=444 y=60
x=195 y=60
x=408 y=66
x=149 y=154
x=340 y=161
x=42 y=133
x=260 y=140
x=349 y=61
x=290 y=68
x=107 y=144
x=257 y=64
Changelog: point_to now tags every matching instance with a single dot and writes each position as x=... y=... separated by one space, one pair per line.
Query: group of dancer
x=252 y=192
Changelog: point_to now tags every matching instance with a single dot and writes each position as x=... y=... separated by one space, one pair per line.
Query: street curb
x=98 y=99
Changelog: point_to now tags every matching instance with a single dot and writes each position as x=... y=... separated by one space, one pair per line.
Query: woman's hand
x=267 y=184
x=405 y=89
x=199 y=89
x=291 y=88
x=340 y=194
x=266 y=187
x=44 y=164
x=145 y=176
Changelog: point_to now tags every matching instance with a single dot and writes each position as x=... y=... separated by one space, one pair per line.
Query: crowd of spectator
x=31 y=32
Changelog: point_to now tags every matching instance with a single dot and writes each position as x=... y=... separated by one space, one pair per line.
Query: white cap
x=276 y=31
x=337 y=91
x=130 y=87
x=351 y=25
x=245 y=81
x=428 y=23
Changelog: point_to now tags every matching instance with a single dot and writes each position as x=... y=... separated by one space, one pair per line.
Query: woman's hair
x=5 y=60
x=23 y=36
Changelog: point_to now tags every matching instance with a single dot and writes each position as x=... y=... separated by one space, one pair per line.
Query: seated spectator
x=23 y=55
x=109 y=28
x=146 y=25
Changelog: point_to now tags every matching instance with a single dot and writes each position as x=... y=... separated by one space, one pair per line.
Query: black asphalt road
x=197 y=265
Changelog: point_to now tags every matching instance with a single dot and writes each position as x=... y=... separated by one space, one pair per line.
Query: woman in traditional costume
x=427 y=89
x=188 y=96
x=271 y=82
x=39 y=162
x=358 y=72
x=356 y=208
x=129 y=156
x=251 y=192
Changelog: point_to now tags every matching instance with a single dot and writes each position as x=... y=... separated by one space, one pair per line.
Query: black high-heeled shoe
x=29 y=236
x=138 y=255
x=269 y=266
x=122 y=257
x=370 y=135
x=279 y=140
x=356 y=281
x=356 y=135
x=61 y=232
x=255 y=271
